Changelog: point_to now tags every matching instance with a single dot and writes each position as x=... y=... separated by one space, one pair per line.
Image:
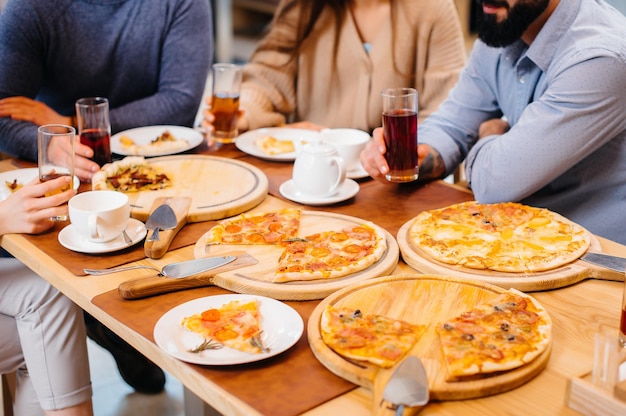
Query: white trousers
x=42 y=337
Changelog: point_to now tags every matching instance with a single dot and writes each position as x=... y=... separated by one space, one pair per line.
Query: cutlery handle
x=150 y=286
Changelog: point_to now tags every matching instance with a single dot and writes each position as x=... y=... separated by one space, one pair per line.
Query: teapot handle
x=341 y=177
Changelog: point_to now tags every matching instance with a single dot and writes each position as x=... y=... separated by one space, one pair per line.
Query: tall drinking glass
x=400 y=133
x=57 y=160
x=622 y=321
x=225 y=101
x=92 y=115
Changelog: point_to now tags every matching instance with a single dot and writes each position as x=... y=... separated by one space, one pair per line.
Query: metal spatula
x=408 y=386
x=162 y=218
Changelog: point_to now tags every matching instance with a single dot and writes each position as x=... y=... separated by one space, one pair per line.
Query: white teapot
x=318 y=171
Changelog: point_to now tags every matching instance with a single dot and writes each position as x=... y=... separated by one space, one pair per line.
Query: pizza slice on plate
x=234 y=325
x=376 y=339
x=131 y=174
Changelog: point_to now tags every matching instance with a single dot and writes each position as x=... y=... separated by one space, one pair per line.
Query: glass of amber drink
x=400 y=133
x=226 y=85
x=56 y=153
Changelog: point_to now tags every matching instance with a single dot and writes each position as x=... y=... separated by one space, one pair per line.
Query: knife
x=173 y=270
x=615 y=263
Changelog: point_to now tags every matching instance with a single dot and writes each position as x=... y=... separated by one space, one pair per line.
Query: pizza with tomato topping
x=131 y=174
x=331 y=254
x=274 y=227
x=505 y=237
x=234 y=325
x=373 y=338
x=500 y=335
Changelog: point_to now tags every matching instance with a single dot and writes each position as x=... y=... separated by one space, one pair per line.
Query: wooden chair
x=7 y=381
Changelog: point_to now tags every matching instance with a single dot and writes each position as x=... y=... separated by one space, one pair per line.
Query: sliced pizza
x=234 y=325
x=276 y=227
x=372 y=338
x=506 y=237
x=270 y=145
x=331 y=254
x=503 y=334
x=164 y=143
x=131 y=174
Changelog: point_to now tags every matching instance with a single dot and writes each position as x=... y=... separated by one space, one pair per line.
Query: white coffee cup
x=349 y=143
x=99 y=216
x=318 y=170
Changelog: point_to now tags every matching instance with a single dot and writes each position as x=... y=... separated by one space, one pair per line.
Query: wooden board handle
x=180 y=205
x=154 y=285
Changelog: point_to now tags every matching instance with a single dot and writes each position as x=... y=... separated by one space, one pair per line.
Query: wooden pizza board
x=419 y=299
x=219 y=187
x=526 y=282
x=257 y=279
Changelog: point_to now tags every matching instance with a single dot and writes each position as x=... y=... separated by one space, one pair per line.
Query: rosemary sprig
x=208 y=344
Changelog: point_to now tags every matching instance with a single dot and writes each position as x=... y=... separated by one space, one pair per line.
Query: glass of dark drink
x=94 y=129
x=56 y=159
x=400 y=133
x=226 y=84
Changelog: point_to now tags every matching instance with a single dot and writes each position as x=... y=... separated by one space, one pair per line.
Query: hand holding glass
x=400 y=133
x=57 y=160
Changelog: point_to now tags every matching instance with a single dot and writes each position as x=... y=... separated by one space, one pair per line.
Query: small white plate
x=144 y=135
x=346 y=191
x=69 y=238
x=23 y=177
x=358 y=173
x=245 y=142
x=282 y=327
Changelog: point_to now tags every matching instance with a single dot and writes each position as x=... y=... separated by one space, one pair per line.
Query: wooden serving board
x=219 y=187
x=257 y=279
x=419 y=299
x=526 y=282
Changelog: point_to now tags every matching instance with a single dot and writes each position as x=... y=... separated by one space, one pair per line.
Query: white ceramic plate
x=23 y=177
x=349 y=189
x=282 y=327
x=70 y=239
x=245 y=142
x=144 y=135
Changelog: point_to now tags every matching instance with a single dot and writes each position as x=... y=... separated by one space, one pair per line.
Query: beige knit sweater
x=427 y=44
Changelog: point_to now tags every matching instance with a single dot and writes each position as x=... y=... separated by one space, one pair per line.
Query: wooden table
x=578 y=311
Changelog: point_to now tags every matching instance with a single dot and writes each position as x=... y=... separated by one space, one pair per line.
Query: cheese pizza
x=270 y=145
x=164 y=143
x=506 y=237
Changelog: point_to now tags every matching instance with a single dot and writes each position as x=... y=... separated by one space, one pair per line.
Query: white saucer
x=68 y=238
x=347 y=191
x=357 y=173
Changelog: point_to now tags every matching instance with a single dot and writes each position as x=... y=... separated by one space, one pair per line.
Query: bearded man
x=538 y=114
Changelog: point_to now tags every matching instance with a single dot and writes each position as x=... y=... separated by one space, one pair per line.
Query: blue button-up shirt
x=564 y=97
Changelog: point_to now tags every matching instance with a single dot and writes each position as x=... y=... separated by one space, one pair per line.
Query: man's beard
x=511 y=29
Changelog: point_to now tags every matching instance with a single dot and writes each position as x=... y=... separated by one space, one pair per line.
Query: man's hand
x=60 y=152
x=26 y=109
x=373 y=159
x=493 y=126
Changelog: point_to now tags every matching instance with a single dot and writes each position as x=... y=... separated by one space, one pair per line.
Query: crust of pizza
x=505 y=237
x=272 y=146
x=234 y=325
x=503 y=334
x=130 y=174
x=332 y=254
x=377 y=339
x=273 y=227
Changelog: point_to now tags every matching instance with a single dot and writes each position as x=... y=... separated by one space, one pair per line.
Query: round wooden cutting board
x=219 y=187
x=526 y=282
x=257 y=279
x=419 y=299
